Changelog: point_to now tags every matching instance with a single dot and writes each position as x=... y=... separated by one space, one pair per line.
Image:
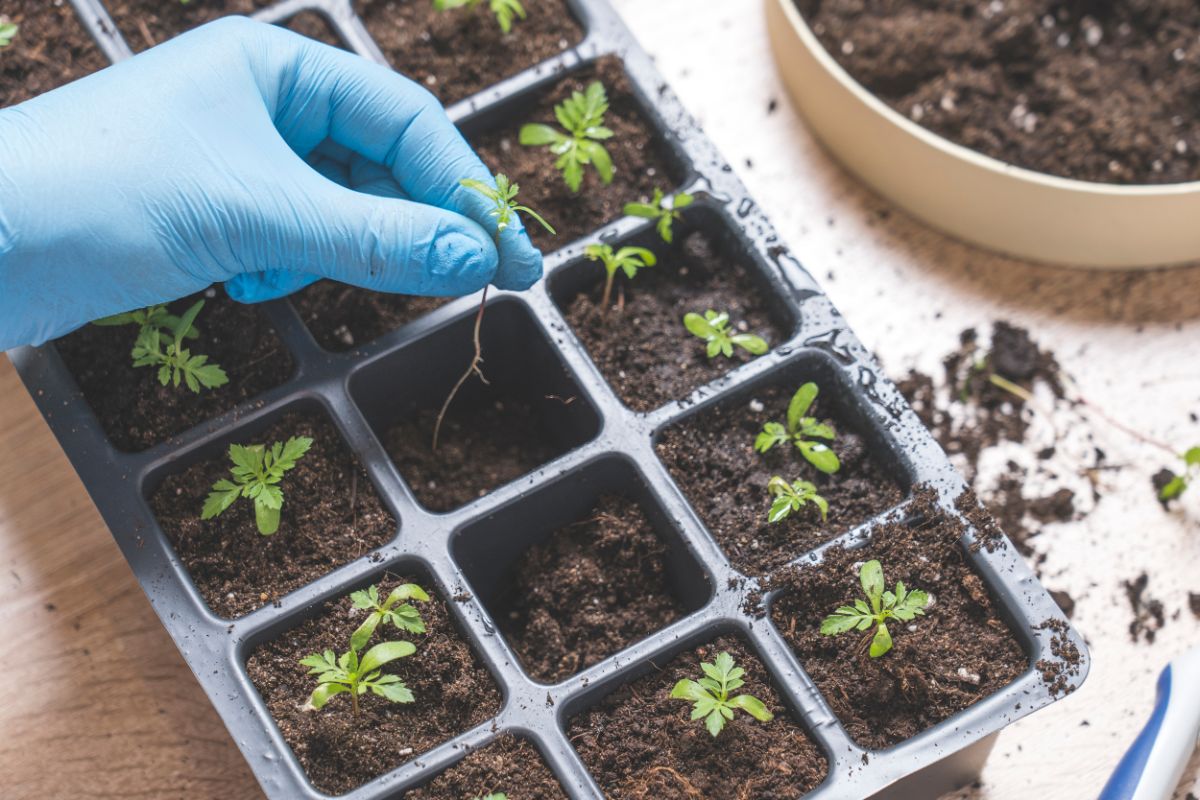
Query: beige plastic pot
x=974 y=197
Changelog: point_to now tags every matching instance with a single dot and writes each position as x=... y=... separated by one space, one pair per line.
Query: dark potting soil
x=1194 y=603
x=1149 y=616
x=453 y=692
x=51 y=48
x=590 y=590
x=135 y=410
x=960 y=652
x=509 y=765
x=145 y=23
x=342 y=317
x=331 y=516
x=457 y=53
x=711 y=456
x=639 y=744
x=1099 y=91
x=653 y=359
x=640 y=160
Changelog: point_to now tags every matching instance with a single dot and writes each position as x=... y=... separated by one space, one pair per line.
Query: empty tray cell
x=342 y=317
x=531 y=412
x=460 y=51
x=135 y=410
x=960 y=652
x=640 y=742
x=51 y=48
x=642 y=161
x=452 y=690
x=331 y=515
x=711 y=456
x=581 y=569
x=639 y=342
x=509 y=765
x=145 y=23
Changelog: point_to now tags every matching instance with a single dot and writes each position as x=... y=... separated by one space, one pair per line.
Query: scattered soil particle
x=429 y=45
x=590 y=590
x=640 y=343
x=711 y=456
x=1058 y=671
x=454 y=693
x=1090 y=90
x=640 y=159
x=960 y=653
x=1148 y=613
x=640 y=744
x=508 y=763
x=1194 y=603
x=136 y=411
x=145 y=23
x=1159 y=481
x=1064 y=601
x=342 y=317
x=51 y=48
x=331 y=516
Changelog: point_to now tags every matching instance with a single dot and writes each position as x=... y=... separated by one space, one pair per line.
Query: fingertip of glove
x=464 y=261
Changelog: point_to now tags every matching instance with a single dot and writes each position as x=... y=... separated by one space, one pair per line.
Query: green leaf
x=781 y=509
x=687 y=690
x=125 y=318
x=636 y=210
x=384 y=653
x=266 y=518
x=362 y=634
x=395 y=691
x=1173 y=488
x=1192 y=457
x=219 y=500
x=600 y=159
x=772 y=434
x=798 y=406
x=189 y=316
x=820 y=456
x=322 y=694
x=295 y=447
x=823 y=505
x=406 y=591
x=839 y=623
x=535 y=135
x=715 y=723
x=681 y=200
x=752 y=706
x=870 y=575
x=817 y=430
x=755 y=345
x=881 y=642
x=697 y=325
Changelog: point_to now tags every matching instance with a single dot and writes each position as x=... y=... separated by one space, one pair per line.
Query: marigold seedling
x=257 y=473
x=628 y=259
x=395 y=609
x=175 y=363
x=710 y=695
x=664 y=210
x=902 y=604
x=349 y=674
x=713 y=328
x=801 y=430
x=8 y=32
x=1180 y=482
x=791 y=497
x=582 y=117
x=505 y=11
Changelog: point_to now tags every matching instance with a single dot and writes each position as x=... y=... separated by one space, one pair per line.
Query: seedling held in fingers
x=8 y=32
x=395 y=610
x=664 y=210
x=902 y=604
x=710 y=695
x=801 y=430
x=791 y=497
x=505 y=11
x=713 y=328
x=628 y=259
x=257 y=473
x=1180 y=482
x=175 y=363
x=582 y=117
x=350 y=674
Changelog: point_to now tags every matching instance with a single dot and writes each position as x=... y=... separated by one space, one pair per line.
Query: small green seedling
x=801 y=430
x=175 y=363
x=8 y=32
x=902 y=604
x=582 y=117
x=494 y=796
x=504 y=198
x=1179 y=483
x=395 y=609
x=257 y=473
x=505 y=10
x=349 y=674
x=628 y=259
x=713 y=328
x=791 y=497
x=663 y=209
x=710 y=695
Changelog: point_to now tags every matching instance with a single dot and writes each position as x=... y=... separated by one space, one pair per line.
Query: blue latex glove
x=244 y=153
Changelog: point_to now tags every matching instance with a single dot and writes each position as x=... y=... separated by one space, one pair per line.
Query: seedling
x=628 y=259
x=176 y=363
x=582 y=117
x=348 y=674
x=801 y=430
x=713 y=328
x=395 y=609
x=257 y=473
x=791 y=497
x=504 y=10
x=710 y=695
x=901 y=604
x=8 y=32
x=663 y=209
x=1179 y=483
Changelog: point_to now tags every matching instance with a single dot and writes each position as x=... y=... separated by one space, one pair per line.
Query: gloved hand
x=244 y=153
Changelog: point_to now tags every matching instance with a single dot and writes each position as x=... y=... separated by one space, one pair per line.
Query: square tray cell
x=531 y=412
x=639 y=742
x=509 y=765
x=453 y=691
x=145 y=23
x=711 y=456
x=50 y=49
x=135 y=410
x=581 y=569
x=640 y=343
x=331 y=515
x=431 y=46
x=342 y=317
x=642 y=160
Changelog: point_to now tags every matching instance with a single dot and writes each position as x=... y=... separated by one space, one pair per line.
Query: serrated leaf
x=752 y=706
x=839 y=623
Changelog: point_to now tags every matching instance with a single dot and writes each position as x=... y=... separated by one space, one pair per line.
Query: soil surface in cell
x=135 y=410
x=711 y=456
x=509 y=765
x=459 y=52
x=331 y=516
x=960 y=652
x=453 y=693
x=342 y=317
x=640 y=160
x=145 y=23
x=51 y=48
x=639 y=743
x=590 y=590
x=1098 y=91
x=640 y=343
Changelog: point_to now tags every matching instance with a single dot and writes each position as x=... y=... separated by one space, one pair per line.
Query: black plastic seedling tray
x=603 y=446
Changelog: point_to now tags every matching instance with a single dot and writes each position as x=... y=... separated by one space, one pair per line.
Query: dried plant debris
x=1148 y=614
